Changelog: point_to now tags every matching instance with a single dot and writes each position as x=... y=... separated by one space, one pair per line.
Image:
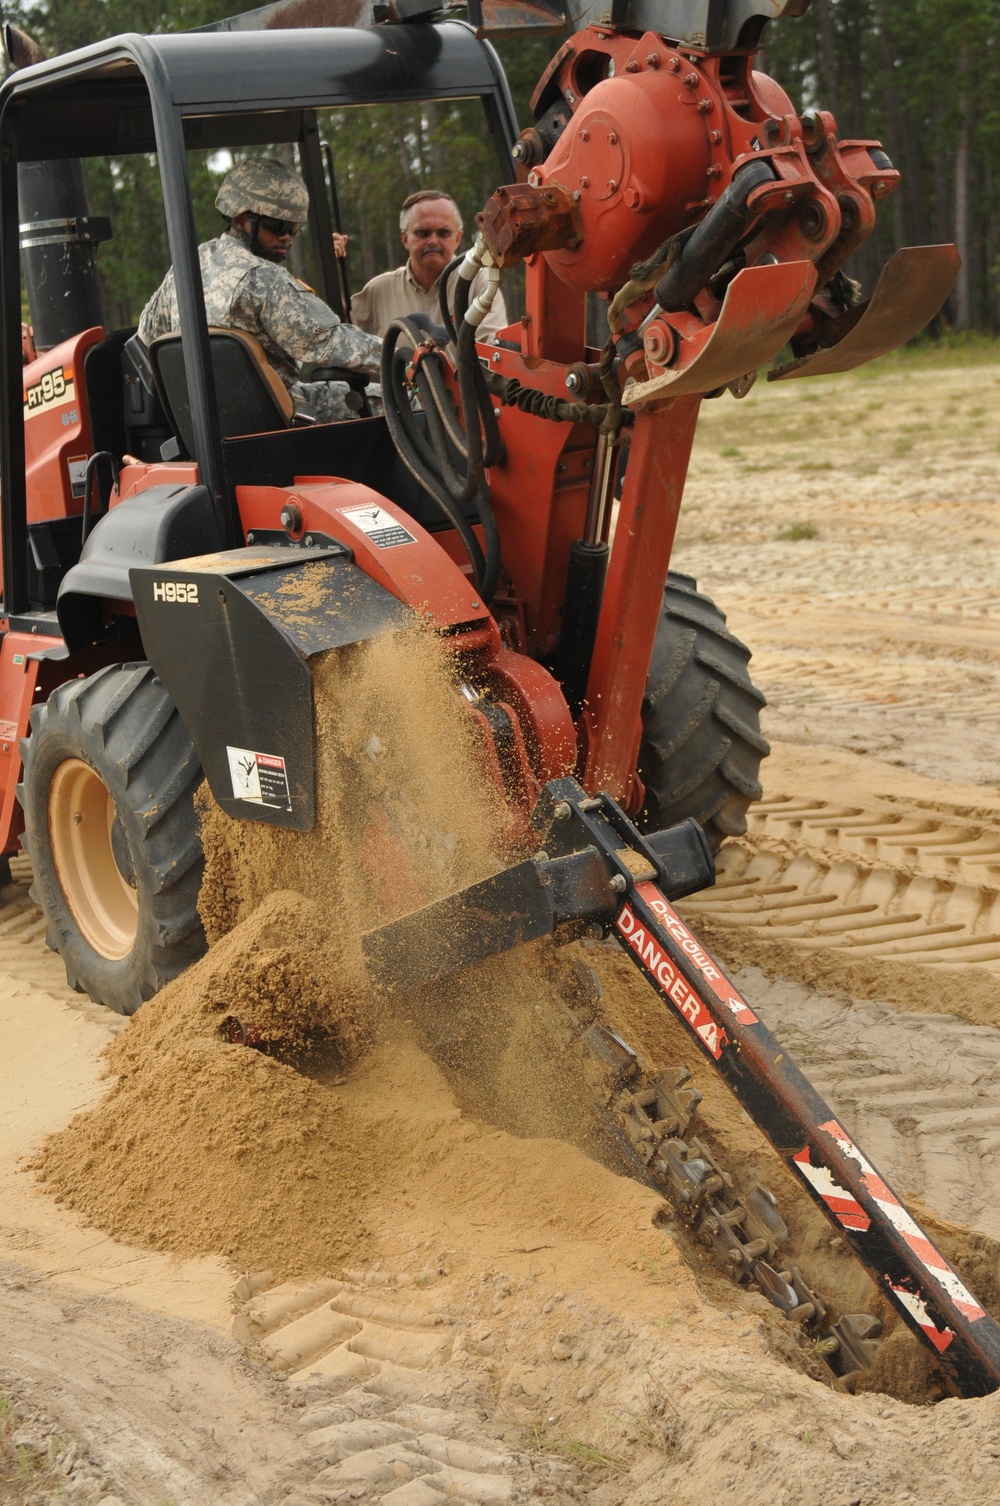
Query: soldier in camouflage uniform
x=248 y=287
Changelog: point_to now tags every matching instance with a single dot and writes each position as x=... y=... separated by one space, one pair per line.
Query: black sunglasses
x=278 y=227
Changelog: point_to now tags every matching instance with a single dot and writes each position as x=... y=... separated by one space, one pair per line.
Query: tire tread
x=122 y=722
x=702 y=745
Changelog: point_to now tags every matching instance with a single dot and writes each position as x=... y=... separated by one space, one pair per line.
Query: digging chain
x=744 y=1235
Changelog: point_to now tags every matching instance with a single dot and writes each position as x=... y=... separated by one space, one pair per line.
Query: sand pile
x=202 y=1145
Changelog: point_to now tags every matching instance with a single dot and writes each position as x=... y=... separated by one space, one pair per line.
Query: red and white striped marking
x=917 y=1308
x=845 y=1208
x=904 y=1223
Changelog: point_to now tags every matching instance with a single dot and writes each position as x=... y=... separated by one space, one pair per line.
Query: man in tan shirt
x=431 y=227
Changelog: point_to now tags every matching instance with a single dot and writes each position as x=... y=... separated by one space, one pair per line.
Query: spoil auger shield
x=595 y=866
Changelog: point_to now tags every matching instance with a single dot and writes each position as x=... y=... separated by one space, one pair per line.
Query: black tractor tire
x=108 y=783
x=701 y=746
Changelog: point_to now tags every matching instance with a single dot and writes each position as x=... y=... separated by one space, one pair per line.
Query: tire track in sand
x=889 y=674
x=26 y=959
x=394 y=1395
x=902 y=884
x=23 y=952
x=146 y=1408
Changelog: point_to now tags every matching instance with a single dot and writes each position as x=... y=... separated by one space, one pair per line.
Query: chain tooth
x=656 y=1114
x=743 y=1235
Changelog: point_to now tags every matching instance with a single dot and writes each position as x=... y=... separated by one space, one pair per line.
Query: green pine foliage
x=922 y=77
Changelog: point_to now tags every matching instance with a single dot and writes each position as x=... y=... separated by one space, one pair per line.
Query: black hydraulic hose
x=471 y=488
x=494 y=450
x=422 y=460
x=491 y=428
x=431 y=373
x=513 y=394
x=442 y=420
x=428 y=454
x=424 y=467
x=468 y=395
x=483 y=443
x=713 y=241
x=452 y=478
x=88 y=480
x=491 y=538
x=419 y=457
x=447 y=435
x=465 y=440
x=446 y=276
x=430 y=376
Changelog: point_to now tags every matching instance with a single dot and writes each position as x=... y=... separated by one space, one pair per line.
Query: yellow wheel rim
x=81 y=816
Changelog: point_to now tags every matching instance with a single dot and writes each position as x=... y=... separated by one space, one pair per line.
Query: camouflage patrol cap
x=260 y=186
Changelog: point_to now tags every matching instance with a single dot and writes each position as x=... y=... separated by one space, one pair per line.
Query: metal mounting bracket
x=761 y=311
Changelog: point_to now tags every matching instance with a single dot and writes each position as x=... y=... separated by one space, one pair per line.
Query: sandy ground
x=501 y=1319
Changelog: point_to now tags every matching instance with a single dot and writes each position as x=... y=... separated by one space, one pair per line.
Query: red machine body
x=633 y=195
x=605 y=197
x=57 y=428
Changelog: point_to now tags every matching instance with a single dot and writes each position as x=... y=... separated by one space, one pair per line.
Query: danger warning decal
x=52 y=389
x=260 y=778
x=382 y=528
x=926 y=1253
x=908 y=1268
x=672 y=986
x=721 y=986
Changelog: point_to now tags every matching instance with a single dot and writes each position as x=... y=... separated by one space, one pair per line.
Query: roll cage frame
x=170 y=94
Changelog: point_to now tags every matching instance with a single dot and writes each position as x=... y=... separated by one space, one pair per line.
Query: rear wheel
x=108 y=796
x=702 y=746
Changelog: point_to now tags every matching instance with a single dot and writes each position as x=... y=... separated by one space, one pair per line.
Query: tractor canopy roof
x=251 y=87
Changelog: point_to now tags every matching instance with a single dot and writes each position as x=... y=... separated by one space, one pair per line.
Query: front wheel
x=702 y=746
x=109 y=776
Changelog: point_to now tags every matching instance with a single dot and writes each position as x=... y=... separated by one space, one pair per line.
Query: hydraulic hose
x=484 y=444
x=713 y=241
x=472 y=434
x=446 y=276
x=430 y=459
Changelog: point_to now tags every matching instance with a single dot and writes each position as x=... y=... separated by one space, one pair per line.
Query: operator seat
x=251 y=397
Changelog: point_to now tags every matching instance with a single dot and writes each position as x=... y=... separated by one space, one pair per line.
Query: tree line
x=918 y=75
x=922 y=77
